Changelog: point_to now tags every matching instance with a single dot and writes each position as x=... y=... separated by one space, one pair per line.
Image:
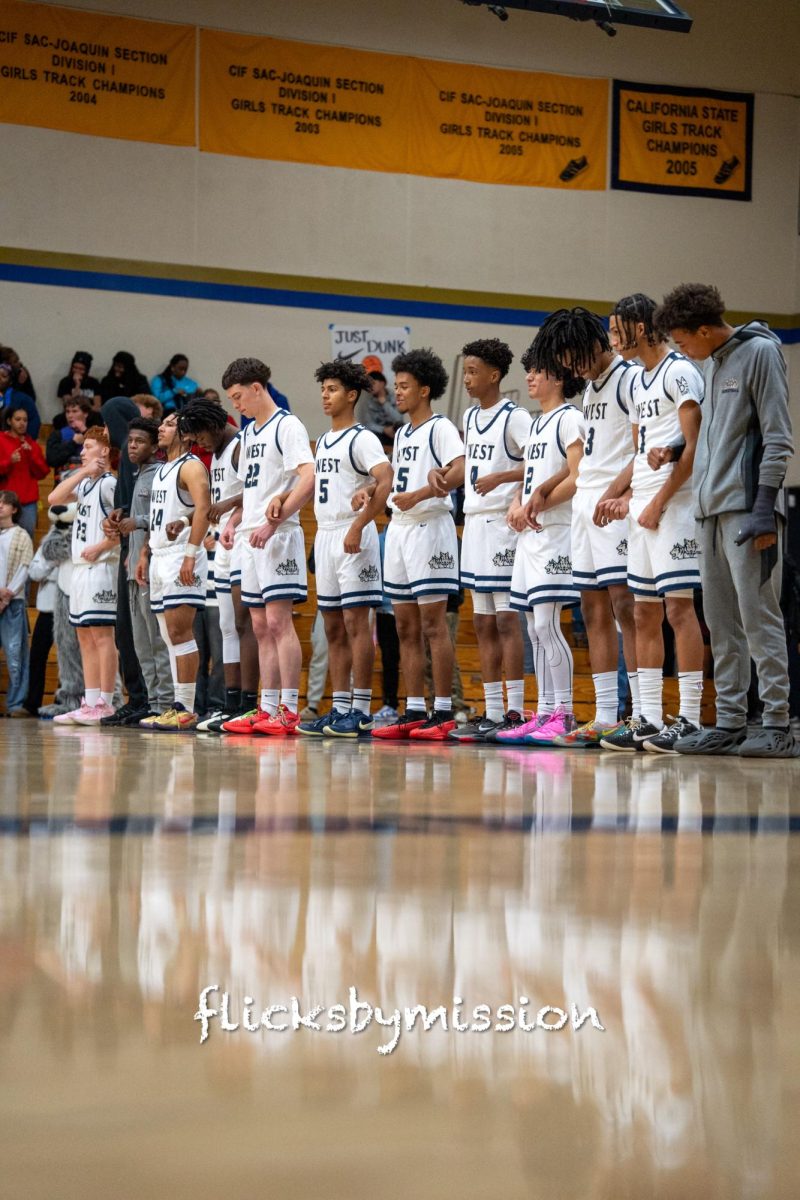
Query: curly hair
x=426 y=367
x=573 y=333
x=97 y=433
x=145 y=425
x=351 y=375
x=689 y=306
x=491 y=351
x=201 y=416
x=633 y=310
x=531 y=360
x=246 y=371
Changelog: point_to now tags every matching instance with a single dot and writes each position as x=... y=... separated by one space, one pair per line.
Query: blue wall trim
x=286 y=298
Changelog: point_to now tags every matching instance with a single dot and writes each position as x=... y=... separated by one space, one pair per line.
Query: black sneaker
x=476 y=730
x=726 y=170
x=665 y=739
x=712 y=741
x=512 y=720
x=629 y=736
x=120 y=716
x=573 y=168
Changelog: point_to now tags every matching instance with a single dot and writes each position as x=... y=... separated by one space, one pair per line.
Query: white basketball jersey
x=95 y=499
x=434 y=443
x=494 y=440
x=607 y=407
x=225 y=482
x=657 y=396
x=169 y=502
x=268 y=462
x=546 y=454
x=342 y=465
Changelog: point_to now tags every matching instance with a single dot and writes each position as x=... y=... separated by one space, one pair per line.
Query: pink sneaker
x=93 y=716
x=71 y=718
x=558 y=724
x=509 y=737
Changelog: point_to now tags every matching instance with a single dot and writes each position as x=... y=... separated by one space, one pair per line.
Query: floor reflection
x=663 y=893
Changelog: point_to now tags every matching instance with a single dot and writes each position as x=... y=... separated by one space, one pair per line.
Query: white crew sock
x=184 y=694
x=605 y=695
x=493 y=699
x=341 y=701
x=651 y=687
x=92 y=696
x=515 y=695
x=415 y=704
x=362 y=700
x=289 y=697
x=636 y=698
x=269 y=700
x=107 y=698
x=690 y=687
x=443 y=703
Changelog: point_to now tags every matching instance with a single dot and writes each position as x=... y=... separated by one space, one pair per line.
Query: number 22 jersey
x=268 y=460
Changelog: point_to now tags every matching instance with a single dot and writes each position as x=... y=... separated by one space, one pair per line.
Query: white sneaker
x=93 y=716
x=71 y=718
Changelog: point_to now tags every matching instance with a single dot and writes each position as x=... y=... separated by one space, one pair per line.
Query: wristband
x=185 y=522
x=190 y=550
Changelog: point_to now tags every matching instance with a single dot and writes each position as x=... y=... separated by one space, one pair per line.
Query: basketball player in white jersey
x=93 y=588
x=421 y=550
x=495 y=434
x=347 y=558
x=663 y=568
x=276 y=467
x=542 y=582
x=177 y=564
x=576 y=339
x=208 y=425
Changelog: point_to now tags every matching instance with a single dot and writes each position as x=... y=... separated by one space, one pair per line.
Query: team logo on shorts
x=107 y=597
x=441 y=561
x=289 y=567
x=622 y=547
x=196 y=582
x=504 y=558
x=688 y=548
x=559 y=566
x=368 y=574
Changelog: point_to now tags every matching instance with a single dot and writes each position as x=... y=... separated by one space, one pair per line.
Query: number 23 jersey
x=95 y=499
x=268 y=460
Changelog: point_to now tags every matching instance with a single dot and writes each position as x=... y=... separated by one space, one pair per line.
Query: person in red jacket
x=22 y=465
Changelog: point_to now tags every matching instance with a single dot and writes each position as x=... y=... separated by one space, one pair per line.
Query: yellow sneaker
x=175 y=720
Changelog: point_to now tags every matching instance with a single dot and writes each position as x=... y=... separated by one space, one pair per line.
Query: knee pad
x=184 y=648
x=231 y=651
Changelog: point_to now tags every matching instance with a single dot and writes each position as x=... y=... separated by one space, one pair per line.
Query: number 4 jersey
x=268 y=462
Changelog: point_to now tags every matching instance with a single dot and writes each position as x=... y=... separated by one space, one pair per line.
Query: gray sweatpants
x=745 y=622
x=151 y=650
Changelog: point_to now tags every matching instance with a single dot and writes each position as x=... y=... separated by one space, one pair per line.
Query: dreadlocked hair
x=351 y=375
x=573 y=333
x=491 y=351
x=633 y=310
x=201 y=416
x=532 y=360
x=426 y=367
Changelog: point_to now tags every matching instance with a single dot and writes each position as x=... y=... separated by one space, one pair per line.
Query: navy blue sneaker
x=350 y=725
x=316 y=728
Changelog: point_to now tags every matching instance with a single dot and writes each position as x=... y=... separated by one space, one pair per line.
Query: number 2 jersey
x=607 y=407
x=494 y=441
x=268 y=460
x=546 y=455
x=342 y=465
x=657 y=396
x=417 y=451
x=225 y=482
x=95 y=499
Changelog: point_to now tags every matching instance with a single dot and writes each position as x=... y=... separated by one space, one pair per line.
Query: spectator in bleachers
x=78 y=383
x=16 y=552
x=22 y=463
x=173 y=387
x=63 y=449
x=24 y=383
x=123 y=379
x=11 y=394
x=149 y=408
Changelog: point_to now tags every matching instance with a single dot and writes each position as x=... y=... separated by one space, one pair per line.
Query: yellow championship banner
x=264 y=98
x=513 y=127
x=682 y=141
x=90 y=73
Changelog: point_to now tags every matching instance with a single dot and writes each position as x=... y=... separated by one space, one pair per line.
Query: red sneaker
x=284 y=722
x=402 y=728
x=245 y=722
x=435 y=729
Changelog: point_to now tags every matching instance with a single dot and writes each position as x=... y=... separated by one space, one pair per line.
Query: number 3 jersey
x=657 y=397
x=607 y=408
x=342 y=465
x=268 y=462
x=417 y=451
x=95 y=499
x=546 y=455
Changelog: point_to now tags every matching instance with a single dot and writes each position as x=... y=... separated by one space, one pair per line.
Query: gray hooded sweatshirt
x=746 y=434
